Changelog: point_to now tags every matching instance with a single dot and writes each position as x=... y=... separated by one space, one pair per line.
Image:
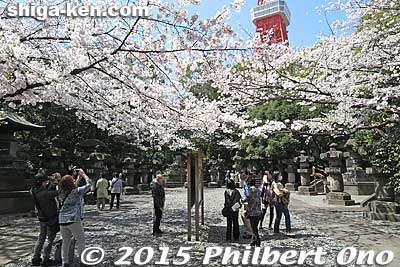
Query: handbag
x=225 y=212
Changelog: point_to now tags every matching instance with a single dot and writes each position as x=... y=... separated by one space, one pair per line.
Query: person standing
x=266 y=196
x=227 y=177
x=281 y=200
x=246 y=222
x=72 y=213
x=101 y=192
x=116 y=190
x=232 y=204
x=158 y=194
x=253 y=210
x=44 y=196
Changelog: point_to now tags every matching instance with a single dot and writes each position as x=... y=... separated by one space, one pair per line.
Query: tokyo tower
x=271 y=18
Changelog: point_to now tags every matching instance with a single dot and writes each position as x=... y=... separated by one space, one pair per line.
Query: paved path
x=347 y=225
x=331 y=228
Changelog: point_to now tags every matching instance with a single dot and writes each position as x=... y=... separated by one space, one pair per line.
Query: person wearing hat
x=44 y=195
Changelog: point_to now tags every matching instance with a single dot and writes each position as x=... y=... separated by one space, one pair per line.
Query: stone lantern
x=52 y=158
x=95 y=165
x=238 y=166
x=291 y=171
x=215 y=173
x=14 y=194
x=129 y=169
x=356 y=180
x=143 y=173
x=337 y=196
x=305 y=169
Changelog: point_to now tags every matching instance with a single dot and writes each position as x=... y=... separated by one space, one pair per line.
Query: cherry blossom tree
x=354 y=76
x=120 y=73
x=133 y=76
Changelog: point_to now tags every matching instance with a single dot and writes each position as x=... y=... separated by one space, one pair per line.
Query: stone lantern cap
x=333 y=153
x=96 y=156
x=303 y=158
x=350 y=144
x=129 y=159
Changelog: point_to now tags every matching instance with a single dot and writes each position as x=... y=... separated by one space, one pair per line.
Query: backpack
x=286 y=196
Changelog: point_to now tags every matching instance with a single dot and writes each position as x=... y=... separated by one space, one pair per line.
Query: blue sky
x=305 y=28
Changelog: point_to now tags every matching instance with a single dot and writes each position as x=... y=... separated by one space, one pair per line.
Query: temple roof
x=13 y=122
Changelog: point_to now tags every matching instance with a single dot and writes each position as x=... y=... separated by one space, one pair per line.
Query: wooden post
x=201 y=187
x=189 y=196
x=197 y=198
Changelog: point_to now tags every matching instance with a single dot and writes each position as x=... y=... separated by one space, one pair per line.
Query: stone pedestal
x=143 y=187
x=130 y=190
x=336 y=196
x=292 y=187
x=307 y=190
x=339 y=198
x=382 y=210
x=382 y=205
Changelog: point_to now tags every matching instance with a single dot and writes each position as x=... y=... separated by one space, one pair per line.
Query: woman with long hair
x=232 y=204
x=71 y=213
x=266 y=196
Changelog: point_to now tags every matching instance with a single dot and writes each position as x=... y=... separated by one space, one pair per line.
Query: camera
x=75 y=172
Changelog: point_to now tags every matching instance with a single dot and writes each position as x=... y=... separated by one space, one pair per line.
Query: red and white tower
x=271 y=18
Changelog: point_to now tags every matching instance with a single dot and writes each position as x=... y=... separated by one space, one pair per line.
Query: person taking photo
x=72 y=213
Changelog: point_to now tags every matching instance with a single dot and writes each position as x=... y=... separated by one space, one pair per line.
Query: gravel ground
x=131 y=226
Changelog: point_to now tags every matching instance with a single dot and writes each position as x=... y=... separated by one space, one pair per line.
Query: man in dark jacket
x=159 y=201
x=44 y=196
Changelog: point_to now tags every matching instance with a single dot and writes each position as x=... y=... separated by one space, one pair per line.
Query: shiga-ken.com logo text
x=69 y=10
